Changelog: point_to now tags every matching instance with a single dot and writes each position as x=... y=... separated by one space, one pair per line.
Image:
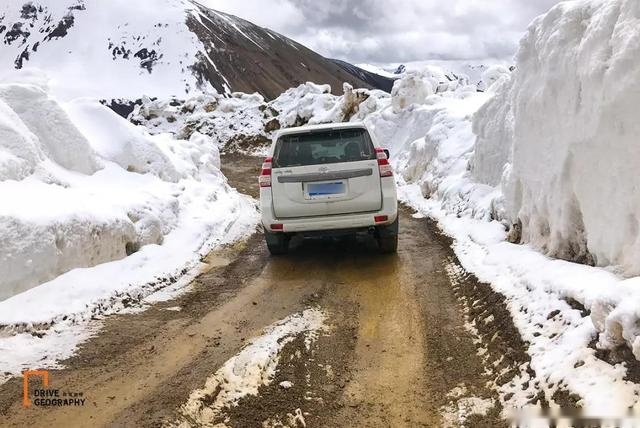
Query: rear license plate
x=315 y=190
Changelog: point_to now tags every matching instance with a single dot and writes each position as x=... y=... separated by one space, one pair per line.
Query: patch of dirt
x=398 y=346
x=620 y=355
x=272 y=125
x=574 y=304
x=246 y=143
x=500 y=335
x=245 y=170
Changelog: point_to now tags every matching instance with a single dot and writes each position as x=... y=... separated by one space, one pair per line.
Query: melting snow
x=246 y=372
x=462 y=407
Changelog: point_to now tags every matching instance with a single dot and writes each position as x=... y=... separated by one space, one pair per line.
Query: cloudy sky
x=386 y=31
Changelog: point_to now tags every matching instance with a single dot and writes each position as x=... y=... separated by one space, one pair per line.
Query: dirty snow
x=246 y=122
x=247 y=371
x=462 y=406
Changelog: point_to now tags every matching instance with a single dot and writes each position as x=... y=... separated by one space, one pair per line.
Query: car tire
x=277 y=243
x=388 y=238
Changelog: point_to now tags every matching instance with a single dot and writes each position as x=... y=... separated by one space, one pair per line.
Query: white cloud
x=380 y=31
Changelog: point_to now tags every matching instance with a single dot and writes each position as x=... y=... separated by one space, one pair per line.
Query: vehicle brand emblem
x=323 y=169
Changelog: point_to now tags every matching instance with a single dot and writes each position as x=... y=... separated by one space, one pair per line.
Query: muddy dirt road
x=395 y=351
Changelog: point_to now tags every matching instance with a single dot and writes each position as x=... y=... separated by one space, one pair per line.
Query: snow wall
x=80 y=187
x=564 y=130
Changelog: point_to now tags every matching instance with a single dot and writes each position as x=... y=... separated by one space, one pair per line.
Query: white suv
x=328 y=180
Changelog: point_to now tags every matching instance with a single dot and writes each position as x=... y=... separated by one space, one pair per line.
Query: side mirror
x=386 y=152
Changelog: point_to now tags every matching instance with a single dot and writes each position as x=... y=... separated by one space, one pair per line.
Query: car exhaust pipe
x=372 y=230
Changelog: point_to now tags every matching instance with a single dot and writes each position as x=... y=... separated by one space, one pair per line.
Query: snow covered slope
x=377 y=70
x=97 y=214
x=124 y=49
x=375 y=79
x=472 y=70
x=102 y=49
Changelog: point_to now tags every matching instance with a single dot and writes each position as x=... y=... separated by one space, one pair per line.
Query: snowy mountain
x=123 y=49
x=378 y=70
x=373 y=78
x=474 y=71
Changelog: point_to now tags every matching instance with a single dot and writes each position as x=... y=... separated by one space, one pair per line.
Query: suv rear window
x=321 y=147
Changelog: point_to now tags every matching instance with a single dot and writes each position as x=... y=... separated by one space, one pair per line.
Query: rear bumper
x=314 y=224
x=332 y=222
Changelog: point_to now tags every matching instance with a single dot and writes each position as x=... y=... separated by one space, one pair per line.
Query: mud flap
x=388 y=230
x=278 y=243
x=387 y=237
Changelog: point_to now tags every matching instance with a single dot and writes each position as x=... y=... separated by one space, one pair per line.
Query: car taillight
x=383 y=163
x=380 y=218
x=265 y=174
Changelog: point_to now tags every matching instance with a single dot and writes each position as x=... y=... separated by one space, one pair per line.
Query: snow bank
x=246 y=122
x=493 y=126
x=493 y=75
x=574 y=113
x=298 y=105
x=27 y=114
x=58 y=138
x=431 y=141
x=19 y=149
x=98 y=208
x=416 y=86
x=412 y=89
x=131 y=147
x=223 y=119
x=564 y=131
